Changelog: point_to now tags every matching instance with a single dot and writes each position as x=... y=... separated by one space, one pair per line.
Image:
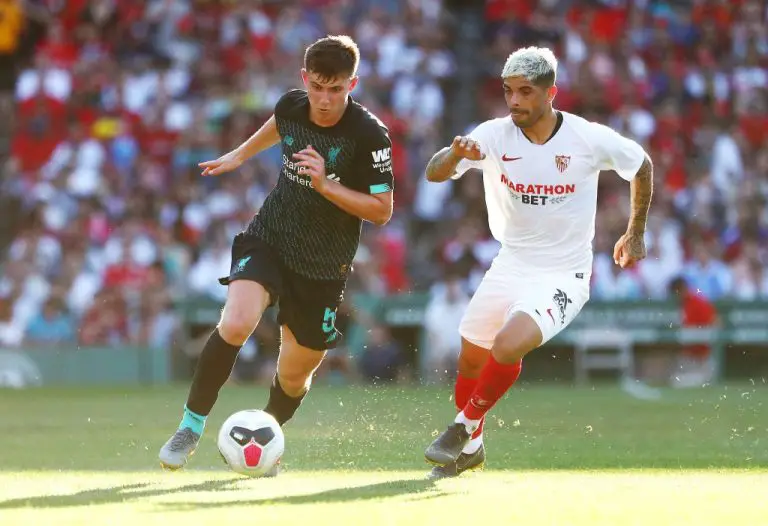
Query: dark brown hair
x=332 y=57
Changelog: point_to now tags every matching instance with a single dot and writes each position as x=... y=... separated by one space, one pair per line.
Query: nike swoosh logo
x=505 y=158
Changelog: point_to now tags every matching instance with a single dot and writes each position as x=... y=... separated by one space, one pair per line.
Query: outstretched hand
x=225 y=163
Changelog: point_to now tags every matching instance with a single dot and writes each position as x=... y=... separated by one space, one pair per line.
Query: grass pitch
x=556 y=455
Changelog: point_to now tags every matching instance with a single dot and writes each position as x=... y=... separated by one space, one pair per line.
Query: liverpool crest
x=562 y=162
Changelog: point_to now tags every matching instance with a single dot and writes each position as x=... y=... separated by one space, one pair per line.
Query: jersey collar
x=558 y=124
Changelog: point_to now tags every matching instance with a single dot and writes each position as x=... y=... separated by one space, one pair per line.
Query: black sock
x=280 y=405
x=213 y=368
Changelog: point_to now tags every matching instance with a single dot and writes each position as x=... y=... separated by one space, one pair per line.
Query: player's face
x=327 y=97
x=526 y=101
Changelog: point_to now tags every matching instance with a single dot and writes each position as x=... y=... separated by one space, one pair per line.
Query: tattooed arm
x=631 y=246
x=443 y=164
x=642 y=191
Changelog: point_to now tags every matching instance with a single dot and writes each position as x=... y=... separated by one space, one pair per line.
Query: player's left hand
x=629 y=249
x=312 y=164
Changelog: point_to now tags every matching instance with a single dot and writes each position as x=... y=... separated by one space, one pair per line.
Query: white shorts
x=553 y=300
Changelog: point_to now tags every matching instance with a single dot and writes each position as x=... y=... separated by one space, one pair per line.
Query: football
x=251 y=443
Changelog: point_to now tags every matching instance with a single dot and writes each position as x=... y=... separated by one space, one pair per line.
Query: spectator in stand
x=441 y=323
x=707 y=275
x=695 y=364
x=52 y=326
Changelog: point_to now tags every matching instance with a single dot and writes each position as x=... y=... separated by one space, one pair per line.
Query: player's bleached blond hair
x=536 y=64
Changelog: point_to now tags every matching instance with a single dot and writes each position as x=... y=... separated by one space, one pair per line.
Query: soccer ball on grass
x=251 y=443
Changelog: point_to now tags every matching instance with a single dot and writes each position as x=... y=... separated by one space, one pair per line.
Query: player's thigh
x=246 y=302
x=308 y=308
x=519 y=336
x=296 y=363
x=552 y=302
x=487 y=310
x=253 y=284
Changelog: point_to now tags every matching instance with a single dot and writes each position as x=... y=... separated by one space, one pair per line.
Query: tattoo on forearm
x=642 y=191
x=441 y=166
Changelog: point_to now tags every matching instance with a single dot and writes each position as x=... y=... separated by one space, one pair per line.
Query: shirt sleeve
x=288 y=101
x=616 y=152
x=481 y=135
x=375 y=162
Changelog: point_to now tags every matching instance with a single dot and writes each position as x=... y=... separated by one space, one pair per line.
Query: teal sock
x=193 y=421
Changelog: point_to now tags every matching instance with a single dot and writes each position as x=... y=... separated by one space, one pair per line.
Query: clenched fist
x=629 y=249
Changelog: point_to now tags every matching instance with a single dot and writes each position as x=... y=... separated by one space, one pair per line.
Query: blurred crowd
x=117 y=102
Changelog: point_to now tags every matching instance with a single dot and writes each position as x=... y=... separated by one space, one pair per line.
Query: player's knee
x=294 y=382
x=519 y=336
x=237 y=323
x=510 y=348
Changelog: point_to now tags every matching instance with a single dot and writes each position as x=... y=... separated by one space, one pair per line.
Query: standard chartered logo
x=303 y=181
x=290 y=165
x=291 y=172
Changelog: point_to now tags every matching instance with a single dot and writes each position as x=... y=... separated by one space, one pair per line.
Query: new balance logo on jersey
x=382 y=155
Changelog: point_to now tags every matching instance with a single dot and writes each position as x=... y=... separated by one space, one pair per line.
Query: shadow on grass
x=111 y=495
x=418 y=489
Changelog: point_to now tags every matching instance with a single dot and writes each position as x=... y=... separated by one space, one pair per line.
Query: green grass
x=557 y=455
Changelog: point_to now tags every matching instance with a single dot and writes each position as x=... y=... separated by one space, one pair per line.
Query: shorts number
x=329 y=320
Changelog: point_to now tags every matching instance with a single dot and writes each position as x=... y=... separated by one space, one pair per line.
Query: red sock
x=465 y=386
x=495 y=379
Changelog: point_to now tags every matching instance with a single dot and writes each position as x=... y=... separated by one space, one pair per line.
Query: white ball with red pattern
x=251 y=442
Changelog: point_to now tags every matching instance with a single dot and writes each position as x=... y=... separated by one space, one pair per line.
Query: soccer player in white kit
x=540 y=170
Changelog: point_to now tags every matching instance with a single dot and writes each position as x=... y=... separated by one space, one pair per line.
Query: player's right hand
x=467 y=148
x=225 y=163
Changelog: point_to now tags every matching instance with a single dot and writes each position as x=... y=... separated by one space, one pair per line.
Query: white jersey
x=542 y=198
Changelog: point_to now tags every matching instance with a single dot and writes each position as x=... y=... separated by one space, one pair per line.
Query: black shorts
x=307 y=306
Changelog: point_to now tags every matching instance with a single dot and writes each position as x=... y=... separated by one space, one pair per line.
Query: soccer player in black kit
x=297 y=251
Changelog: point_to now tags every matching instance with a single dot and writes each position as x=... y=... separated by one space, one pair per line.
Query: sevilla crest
x=562 y=162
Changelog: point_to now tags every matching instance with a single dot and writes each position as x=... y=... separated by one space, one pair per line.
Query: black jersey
x=313 y=236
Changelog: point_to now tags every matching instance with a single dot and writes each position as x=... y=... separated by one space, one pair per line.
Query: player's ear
x=353 y=83
x=551 y=92
x=305 y=77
